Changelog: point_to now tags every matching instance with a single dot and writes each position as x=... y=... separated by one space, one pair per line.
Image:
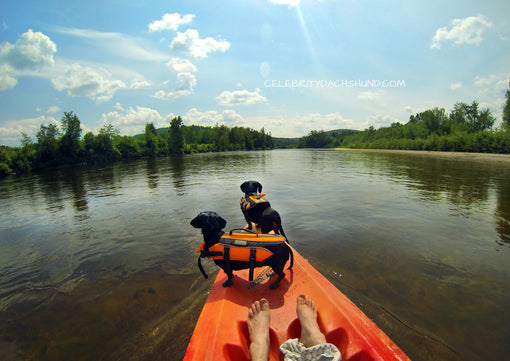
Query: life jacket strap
x=226 y=258
x=206 y=276
x=206 y=253
x=253 y=259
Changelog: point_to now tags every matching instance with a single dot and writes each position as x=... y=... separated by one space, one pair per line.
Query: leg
x=258 y=325
x=311 y=335
x=276 y=283
x=247 y=218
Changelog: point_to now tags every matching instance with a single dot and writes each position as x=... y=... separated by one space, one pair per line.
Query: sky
x=288 y=66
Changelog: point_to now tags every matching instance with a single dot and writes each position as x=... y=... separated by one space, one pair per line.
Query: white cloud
x=160 y=94
x=116 y=44
x=170 y=22
x=191 y=43
x=463 y=31
x=240 y=97
x=299 y=125
x=137 y=84
x=456 y=86
x=181 y=65
x=132 y=120
x=379 y=120
x=185 y=84
x=31 y=51
x=328 y=121
x=492 y=81
x=53 y=109
x=491 y=90
x=211 y=118
x=10 y=130
x=85 y=81
x=7 y=78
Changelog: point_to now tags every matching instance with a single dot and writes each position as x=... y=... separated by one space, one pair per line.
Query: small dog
x=212 y=224
x=260 y=212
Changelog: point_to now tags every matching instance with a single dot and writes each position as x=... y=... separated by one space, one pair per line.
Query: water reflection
x=152 y=173
x=503 y=211
x=78 y=190
x=467 y=184
x=177 y=168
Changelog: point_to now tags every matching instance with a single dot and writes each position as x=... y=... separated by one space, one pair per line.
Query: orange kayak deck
x=221 y=332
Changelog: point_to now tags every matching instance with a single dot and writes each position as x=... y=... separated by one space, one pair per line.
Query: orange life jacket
x=243 y=245
x=254 y=200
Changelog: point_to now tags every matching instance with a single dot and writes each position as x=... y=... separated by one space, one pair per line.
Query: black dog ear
x=243 y=186
x=222 y=222
x=197 y=221
x=259 y=187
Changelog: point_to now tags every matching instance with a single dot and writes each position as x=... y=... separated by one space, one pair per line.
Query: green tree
x=176 y=136
x=506 y=111
x=89 y=146
x=47 y=144
x=104 y=146
x=474 y=119
x=26 y=141
x=151 y=143
x=128 y=147
x=5 y=169
x=70 y=140
x=316 y=139
x=221 y=138
x=434 y=119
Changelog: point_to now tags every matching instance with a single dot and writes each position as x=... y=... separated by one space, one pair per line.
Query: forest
x=467 y=128
x=63 y=146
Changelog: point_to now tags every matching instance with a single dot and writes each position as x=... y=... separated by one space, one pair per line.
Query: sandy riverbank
x=504 y=158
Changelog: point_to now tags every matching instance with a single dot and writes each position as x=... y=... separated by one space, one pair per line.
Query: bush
x=4 y=170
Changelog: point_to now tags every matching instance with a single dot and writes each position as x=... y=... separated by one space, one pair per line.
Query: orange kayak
x=221 y=332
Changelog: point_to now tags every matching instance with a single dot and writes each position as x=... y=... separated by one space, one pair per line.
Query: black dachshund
x=222 y=249
x=258 y=210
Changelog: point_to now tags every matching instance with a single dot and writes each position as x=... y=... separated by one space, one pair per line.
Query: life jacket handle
x=243 y=229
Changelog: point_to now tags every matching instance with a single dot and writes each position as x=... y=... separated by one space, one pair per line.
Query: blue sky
x=289 y=66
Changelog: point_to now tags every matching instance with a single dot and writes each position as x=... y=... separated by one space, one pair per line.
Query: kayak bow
x=221 y=332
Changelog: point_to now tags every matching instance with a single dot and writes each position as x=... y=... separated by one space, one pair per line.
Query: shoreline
x=504 y=158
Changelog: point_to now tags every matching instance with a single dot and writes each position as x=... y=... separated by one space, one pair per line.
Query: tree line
x=467 y=128
x=63 y=145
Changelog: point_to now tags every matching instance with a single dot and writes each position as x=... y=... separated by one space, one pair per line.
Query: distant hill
x=279 y=142
x=294 y=142
x=342 y=131
x=285 y=142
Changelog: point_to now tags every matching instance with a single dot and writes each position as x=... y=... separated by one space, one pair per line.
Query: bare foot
x=258 y=325
x=311 y=334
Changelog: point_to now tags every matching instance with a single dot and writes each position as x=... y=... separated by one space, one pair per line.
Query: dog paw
x=228 y=283
x=274 y=285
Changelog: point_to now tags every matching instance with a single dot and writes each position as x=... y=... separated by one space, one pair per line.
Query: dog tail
x=206 y=276
x=280 y=230
x=291 y=258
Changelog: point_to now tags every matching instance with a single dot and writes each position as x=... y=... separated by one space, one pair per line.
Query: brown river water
x=99 y=263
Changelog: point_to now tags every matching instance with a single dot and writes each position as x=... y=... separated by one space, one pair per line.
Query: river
x=99 y=262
